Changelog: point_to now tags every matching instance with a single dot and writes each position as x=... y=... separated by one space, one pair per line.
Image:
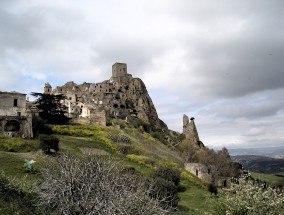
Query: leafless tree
x=93 y=185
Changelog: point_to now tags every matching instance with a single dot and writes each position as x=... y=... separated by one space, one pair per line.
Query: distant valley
x=273 y=152
x=262 y=164
x=268 y=160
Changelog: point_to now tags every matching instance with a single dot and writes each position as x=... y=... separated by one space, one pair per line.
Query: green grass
x=81 y=138
x=270 y=179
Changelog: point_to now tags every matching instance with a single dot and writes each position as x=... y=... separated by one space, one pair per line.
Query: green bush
x=167 y=173
x=165 y=182
x=212 y=188
x=164 y=190
x=48 y=142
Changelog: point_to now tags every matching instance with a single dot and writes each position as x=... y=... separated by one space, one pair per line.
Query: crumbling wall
x=199 y=170
x=189 y=130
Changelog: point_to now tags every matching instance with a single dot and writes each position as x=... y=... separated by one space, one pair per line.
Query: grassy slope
x=270 y=179
x=144 y=154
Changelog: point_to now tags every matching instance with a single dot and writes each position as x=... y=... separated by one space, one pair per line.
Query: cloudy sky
x=220 y=61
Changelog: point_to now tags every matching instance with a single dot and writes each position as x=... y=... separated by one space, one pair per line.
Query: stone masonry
x=119 y=97
x=15 y=120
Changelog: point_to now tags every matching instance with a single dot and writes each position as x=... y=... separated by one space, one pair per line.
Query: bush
x=48 y=142
x=212 y=188
x=167 y=173
x=93 y=185
x=166 y=185
x=165 y=191
x=251 y=198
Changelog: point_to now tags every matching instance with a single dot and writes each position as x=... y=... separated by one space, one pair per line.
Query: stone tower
x=119 y=70
x=47 y=88
x=189 y=130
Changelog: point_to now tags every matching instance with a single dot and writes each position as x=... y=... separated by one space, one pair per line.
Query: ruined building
x=119 y=97
x=15 y=120
x=190 y=131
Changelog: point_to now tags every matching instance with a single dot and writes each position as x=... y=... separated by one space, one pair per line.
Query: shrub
x=251 y=198
x=165 y=191
x=212 y=188
x=167 y=173
x=49 y=142
x=94 y=185
x=166 y=185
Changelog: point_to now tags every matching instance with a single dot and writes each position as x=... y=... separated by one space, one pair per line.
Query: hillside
x=261 y=164
x=274 y=152
x=128 y=146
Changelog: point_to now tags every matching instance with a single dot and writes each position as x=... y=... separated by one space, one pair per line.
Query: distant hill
x=274 y=152
x=261 y=164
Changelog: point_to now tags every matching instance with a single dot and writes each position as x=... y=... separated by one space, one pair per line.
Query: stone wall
x=189 y=130
x=118 y=70
x=14 y=119
x=199 y=170
x=12 y=104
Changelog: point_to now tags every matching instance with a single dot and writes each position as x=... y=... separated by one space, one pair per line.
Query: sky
x=219 y=61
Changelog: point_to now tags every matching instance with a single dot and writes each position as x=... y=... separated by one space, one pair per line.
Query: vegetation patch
x=15 y=144
x=141 y=159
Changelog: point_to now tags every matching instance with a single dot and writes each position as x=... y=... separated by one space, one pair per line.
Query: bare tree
x=94 y=185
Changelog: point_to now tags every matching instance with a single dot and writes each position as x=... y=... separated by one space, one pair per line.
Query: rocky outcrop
x=122 y=96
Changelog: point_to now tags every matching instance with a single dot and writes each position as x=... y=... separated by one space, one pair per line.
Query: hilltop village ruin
x=121 y=96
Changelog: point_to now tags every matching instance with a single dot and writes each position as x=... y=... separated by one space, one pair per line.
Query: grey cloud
x=249 y=110
x=220 y=61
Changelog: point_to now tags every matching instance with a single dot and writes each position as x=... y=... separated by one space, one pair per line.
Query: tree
x=94 y=185
x=50 y=107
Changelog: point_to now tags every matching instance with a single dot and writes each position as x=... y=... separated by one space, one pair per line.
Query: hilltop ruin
x=121 y=96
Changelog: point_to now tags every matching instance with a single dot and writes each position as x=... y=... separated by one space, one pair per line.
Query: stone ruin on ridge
x=119 y=97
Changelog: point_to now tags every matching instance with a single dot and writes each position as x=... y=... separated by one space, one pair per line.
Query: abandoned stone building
x=190 y=131
x=15 y=120
x=204 y=173
x=121 y=96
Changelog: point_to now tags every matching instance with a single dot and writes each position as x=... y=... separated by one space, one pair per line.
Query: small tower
x=189 y=129
x=47 y=88
x=119 y=70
